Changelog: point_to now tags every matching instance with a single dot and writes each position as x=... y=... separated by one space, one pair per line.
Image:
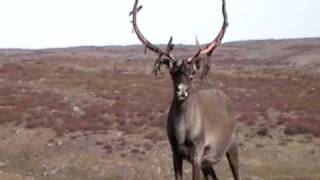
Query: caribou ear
x=196 y=64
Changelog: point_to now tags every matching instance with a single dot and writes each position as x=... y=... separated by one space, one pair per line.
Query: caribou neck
x=179 y=106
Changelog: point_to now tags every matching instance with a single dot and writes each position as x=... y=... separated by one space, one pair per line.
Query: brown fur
x=201 y=129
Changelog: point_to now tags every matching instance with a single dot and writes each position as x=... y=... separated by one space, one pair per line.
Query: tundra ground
x=99 y=113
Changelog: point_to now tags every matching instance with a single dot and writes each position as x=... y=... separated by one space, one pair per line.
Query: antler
x=216 y=42
x=148 y=45
x=165 y=57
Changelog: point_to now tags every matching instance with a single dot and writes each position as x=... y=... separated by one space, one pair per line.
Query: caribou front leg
x=177 y=164
x=196 y=167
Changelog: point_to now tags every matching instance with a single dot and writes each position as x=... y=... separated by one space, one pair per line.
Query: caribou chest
x=184 y=125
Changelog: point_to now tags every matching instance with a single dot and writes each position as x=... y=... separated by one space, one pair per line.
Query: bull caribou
x=201 y=127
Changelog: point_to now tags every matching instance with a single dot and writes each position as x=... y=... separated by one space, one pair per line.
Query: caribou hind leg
x=233 y=159
x=208 y=171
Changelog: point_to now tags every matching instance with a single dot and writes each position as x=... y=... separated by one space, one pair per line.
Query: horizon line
x=159 y=44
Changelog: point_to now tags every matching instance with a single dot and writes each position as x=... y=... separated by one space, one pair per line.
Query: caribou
x=200 y=126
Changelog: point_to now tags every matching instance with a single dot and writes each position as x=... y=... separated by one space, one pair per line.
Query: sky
x=38 y=24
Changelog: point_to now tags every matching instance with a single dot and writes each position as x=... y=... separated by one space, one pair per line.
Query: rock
x=59 y=143
x=78 y=110
x=42 y=79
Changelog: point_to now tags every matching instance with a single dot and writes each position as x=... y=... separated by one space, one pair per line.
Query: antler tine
x=144 y=40
x=197 y=42
x=170 y=47
x=217 y=41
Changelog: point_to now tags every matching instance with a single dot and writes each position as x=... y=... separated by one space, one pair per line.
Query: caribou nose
x=182 y=91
